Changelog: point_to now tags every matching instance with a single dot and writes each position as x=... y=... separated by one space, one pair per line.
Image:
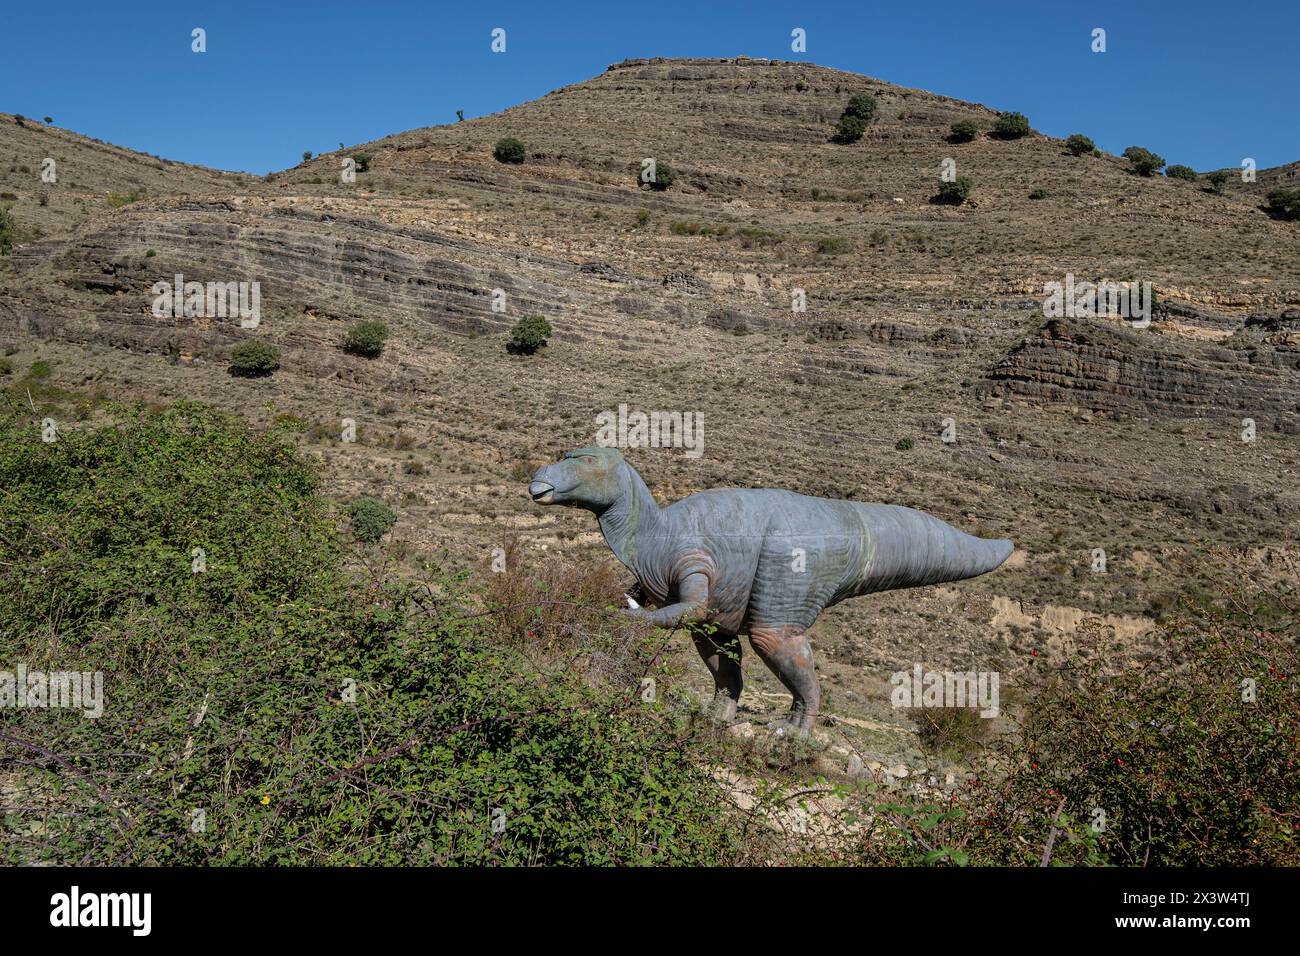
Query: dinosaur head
x=583 y=478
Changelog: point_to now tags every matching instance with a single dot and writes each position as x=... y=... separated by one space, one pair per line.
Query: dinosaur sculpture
x=761 y=562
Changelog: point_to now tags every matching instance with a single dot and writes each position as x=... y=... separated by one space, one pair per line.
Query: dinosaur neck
x=629 y=522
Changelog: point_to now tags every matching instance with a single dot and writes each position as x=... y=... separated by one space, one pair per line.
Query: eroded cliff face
x=1101 y=364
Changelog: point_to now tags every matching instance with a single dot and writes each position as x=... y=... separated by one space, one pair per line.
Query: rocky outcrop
x=1102 y=366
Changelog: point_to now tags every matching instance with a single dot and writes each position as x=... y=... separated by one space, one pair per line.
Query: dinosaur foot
x=793 y=725
x=722 y=708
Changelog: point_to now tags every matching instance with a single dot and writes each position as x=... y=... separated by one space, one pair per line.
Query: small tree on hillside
x=861 y=105
x=1011 y=126
x=1179 y=171
x=510 y=150
x=1284 y=203
x=371 y=519
x=363 y=162
x=955 y=192
x=366 y=339
x=528 y=335
x=1144 y=161
x=254 y=358
x=663 y=176
x=8 y=230
x=963 y=131
x=1078 y=145
x=1218 y=181
x=850 y=129
x=856 y=117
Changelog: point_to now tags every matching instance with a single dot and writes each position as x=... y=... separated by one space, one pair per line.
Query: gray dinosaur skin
x=761 y=562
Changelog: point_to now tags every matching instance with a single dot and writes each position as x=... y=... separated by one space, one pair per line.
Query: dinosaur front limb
x=693 y=606
x=721 y=653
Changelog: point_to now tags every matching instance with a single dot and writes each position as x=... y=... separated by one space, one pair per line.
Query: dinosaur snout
x=542 y=488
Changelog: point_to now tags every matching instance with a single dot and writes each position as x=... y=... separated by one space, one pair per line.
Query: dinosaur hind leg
x=721 y=653
x=785 y=650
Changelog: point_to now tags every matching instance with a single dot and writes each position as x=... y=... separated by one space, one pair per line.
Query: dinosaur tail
x=913 y=549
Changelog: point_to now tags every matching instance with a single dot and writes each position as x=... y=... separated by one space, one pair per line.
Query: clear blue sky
x=1201 y=83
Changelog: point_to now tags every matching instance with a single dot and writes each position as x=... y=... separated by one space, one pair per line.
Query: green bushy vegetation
x=849 y=129
x=8 y=230
x=664 y=176
x=1218 y=181
x=855 y=119
x=528 y=335
x=1011 y=126
x=366 y=339
x=362 y=161
x=963 y=131
x=254 y=358
x=1078 y=145
x=861 y=105
x=371 y=519
x=1179 y=171
x=1284 y=203
x=956 y=192
x=509 y=150
x=313 y=716
x=1144 y=162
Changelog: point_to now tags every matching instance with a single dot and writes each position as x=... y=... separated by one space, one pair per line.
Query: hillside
x=1072 y=435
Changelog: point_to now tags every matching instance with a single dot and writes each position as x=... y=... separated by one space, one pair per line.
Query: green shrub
x=800 y=86
x=6 y=367
x=8 y=230
x=39 y=369
x=306 y=155
x=509 y=150
x=905 y=443
x=955 y=193
x=254 y=358
x=850 y=129
x=1078 y=144
x=1144 y=161
x=1011 y=126
x=963 y=131
x=664 y=176
x=1039 y=193
x=1178 y=171
x=366 y=339
x=1218 y=181
x=861 y=105
x=371 y=519
x=1284 y=203
x=528 y=335
x=363 y=162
